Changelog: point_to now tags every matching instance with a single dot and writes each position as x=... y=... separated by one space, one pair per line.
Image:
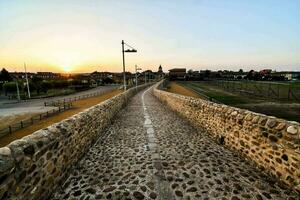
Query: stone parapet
x=32 y=167
x=273 y=144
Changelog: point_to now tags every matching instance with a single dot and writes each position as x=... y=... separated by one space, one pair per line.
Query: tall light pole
x=136 y=70
x=132 y=50
x=27 y=81
x=124 y=76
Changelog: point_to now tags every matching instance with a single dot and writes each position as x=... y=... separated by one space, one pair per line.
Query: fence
x=271 y=90
x=61 y=105
x=71 y=99
x=28 y=122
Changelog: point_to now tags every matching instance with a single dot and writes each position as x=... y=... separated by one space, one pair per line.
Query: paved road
x=37 y=105
x=151 y=153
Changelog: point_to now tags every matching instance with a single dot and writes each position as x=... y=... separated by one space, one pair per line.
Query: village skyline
x=154 y=68
x=77 y=36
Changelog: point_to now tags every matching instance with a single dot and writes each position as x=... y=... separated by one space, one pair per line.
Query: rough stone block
x=243 y=130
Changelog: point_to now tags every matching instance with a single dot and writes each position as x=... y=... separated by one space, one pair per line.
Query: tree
x=76 y=82
x=36 y=82
x=45 y=86
x=250 y=75
x=207 y=73
x=11 y=87
x=5 y=76
x=32 y=87
x=60 y=84
x=190 y=71
x=36 y=79
x=189 y=75
x=108 y=80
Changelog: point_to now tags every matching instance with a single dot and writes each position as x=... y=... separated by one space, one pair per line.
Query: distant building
x=98 y=78
x=118 y=77
x=150 y=75
x=159 y=73
x=101 y=75
x=286 y=75
x=177 y=74
x=194 y=76
x=47 y=75
x=41 y=75
x=21 y=75
x=295 y=75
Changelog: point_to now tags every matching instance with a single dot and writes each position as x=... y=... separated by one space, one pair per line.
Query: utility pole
x=27 y=81
x=145 y=77
x=124 y=75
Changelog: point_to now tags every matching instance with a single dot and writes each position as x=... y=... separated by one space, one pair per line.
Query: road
x=149 y=152
x=37 y=105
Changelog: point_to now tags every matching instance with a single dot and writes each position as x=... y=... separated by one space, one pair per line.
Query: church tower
x=160 y=69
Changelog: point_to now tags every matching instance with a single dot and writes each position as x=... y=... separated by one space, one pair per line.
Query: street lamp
x=131 y=50
x=136 y=70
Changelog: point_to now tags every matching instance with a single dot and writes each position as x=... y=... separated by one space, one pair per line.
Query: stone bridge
x=149 y=151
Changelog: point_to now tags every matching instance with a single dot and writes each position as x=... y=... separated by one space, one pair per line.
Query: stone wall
x=272 y=143
x=32 y=167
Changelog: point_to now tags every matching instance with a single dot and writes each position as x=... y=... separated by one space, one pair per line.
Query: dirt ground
x=7 y=120
x=175 y=88
x=78 y=106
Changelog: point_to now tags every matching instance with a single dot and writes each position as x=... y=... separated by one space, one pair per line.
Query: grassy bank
x=273 y=107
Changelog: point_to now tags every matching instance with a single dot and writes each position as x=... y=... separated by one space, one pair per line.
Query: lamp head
x=130 y=51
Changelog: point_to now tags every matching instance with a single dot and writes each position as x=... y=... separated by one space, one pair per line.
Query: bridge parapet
x=32 y=167
x=273 y=144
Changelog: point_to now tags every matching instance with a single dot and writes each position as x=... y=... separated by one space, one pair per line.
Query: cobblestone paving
x=151 y=153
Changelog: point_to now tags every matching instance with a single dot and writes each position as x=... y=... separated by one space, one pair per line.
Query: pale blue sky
x=85 y=34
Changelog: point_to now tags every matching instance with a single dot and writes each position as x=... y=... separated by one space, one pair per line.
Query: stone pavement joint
x=149 y=152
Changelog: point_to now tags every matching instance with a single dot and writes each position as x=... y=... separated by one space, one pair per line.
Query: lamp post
x=136 y=70
x=132 y=50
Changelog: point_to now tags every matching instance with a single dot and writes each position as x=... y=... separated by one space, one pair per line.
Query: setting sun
x=67 y=68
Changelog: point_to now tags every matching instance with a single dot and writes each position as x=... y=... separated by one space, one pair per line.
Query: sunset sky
x=85 y=35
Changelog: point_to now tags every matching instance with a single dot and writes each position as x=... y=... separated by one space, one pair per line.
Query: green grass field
x=278 y=91
x=281 y=108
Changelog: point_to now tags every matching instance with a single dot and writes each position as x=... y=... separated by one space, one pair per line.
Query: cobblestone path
x=151 y=153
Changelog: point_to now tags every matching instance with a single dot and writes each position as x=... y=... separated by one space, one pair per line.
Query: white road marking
x=162 y=184
x=148 y=125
